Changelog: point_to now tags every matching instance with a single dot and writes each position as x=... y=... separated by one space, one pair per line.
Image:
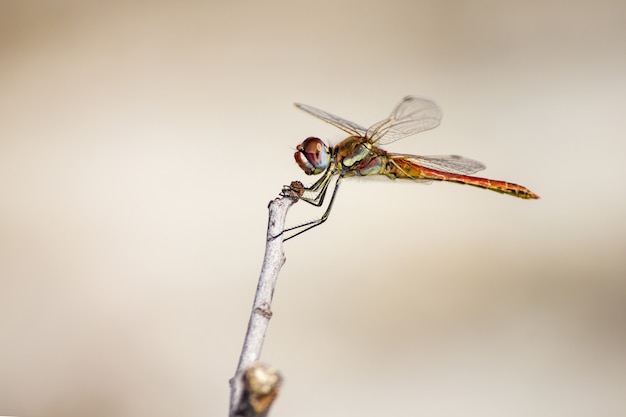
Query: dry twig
x=254 y=386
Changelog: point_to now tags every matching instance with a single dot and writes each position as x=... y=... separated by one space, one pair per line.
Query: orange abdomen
x=403 y=168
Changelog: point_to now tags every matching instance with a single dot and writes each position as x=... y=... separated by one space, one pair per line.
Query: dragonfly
x=359 y=155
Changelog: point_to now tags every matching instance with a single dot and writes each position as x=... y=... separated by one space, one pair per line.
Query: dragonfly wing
x=345 y=125
x=412 y=115
x=447 y=163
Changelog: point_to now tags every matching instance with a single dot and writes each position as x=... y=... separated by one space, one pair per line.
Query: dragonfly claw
x=274 y=237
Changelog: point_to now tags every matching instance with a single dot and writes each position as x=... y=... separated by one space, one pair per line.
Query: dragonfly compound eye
x=312 y=156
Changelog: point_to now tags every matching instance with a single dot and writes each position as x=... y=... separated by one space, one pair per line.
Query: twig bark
x=242 y=400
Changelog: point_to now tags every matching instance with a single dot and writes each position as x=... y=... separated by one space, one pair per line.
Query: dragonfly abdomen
x=402 y=168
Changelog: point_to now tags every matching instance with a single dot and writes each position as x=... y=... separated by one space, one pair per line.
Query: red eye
x=312 y=156
x=313 y=149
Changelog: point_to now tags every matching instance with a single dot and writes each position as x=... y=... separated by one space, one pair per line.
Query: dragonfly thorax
x=313 y=156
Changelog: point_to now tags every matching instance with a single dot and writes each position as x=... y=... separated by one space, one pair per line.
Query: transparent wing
x=448 y=163
x=345 y=125
x=412 y=115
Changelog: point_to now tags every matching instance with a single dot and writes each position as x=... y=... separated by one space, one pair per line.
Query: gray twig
x=244 y=401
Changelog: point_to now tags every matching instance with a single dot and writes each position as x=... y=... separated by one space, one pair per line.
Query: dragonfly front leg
x=320 y=187
x=314 y=223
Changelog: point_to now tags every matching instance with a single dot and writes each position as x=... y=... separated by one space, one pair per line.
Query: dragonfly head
x=313 y=156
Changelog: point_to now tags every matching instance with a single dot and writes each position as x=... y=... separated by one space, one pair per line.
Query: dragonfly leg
x=318 y=200
x=321 y=186
x=321 y=183
x=314 y=223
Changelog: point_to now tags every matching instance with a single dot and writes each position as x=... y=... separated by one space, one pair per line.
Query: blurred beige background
x=140 y=143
